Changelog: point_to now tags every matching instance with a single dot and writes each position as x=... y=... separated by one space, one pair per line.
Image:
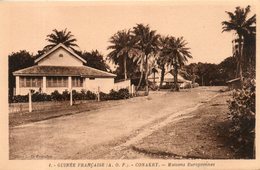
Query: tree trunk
x=146 y=75
x=142 y=74
x=240 y=58
x=162 y=76
x=125 y=68
x=176 y=86
x=154 y=77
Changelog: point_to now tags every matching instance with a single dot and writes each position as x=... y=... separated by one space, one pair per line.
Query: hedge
x=65 y=95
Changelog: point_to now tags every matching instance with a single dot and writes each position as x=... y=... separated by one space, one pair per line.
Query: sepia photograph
x=159 y=81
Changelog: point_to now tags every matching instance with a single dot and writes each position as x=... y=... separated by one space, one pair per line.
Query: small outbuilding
x=234 y=84
x=61 y=69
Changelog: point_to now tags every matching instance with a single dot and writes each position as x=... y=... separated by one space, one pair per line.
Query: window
x=77 y=82
x=30 y=81
x=57 y=81
x=91 y=78
x=60 y=55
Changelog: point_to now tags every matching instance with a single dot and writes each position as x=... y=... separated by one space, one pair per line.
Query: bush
x=39 y=97
x=115 y=95
x=20 y=99
x=242 y=115
x=123 y=93
x=83 y=95
x=56 y=96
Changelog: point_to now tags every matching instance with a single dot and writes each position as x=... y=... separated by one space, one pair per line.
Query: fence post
x=71 y=96
x=98 y=94
x=30 y=100
x=133 y=90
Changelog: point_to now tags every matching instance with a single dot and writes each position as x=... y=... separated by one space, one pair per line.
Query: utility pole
x=30 y=100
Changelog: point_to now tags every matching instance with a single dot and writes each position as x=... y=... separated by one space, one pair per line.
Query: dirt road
x=93 y=134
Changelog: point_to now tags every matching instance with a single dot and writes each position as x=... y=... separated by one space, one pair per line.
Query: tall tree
x=65 y=37
x=122 y=47
x=147 y=44
x=242 y=26
x=162 y=59
x=177 y=54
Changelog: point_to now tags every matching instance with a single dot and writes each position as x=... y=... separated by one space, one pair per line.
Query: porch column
x=17 y=85
x=44 y=84
x=85 y=83
x=70 y=83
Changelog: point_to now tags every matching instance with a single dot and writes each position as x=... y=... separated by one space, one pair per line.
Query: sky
x=27 y=24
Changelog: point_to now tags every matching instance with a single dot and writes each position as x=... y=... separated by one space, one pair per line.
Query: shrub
x=242 y=115
x=39 y=97
x=123 y=93
x=20 y=99
x=56 y=96
x=90 y=95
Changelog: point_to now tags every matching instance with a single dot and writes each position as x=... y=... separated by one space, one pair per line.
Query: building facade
x=61 y=69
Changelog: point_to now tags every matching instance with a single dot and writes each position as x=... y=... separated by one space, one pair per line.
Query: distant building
x=234 y=84
x=61 y=69
x=168 y=78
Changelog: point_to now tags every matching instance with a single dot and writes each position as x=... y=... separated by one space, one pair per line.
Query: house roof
x=233 y=80
x=83 y=71
x=60 y=45
x=168 y=77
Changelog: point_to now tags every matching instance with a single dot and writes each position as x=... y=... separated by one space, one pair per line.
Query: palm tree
x=242 y=26
x=162 y=60
x=63 y=37
x=122 y=46
x=147 y=44
x=177 y=54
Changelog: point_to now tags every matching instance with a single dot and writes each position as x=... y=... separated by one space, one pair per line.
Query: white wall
x=105 y=84
x=53 y=59
x=122 y=84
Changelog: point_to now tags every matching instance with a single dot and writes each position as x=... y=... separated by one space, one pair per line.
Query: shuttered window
x=26 y=81
x=57 y=81
x=77 y=82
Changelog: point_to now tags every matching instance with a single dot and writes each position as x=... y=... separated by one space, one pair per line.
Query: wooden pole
x=30 y=100
x=71 y=97
x=98 y=95
x=133 y=89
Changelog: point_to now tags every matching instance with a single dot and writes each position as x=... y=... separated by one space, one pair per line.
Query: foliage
x=65 y=95
x=65 y=37
x=17 y=61
x=243 y=27
x=242 y=114
x=147 y=44
x=95 y=60
x=115 y=95
x=177 y=55
x=123 y=47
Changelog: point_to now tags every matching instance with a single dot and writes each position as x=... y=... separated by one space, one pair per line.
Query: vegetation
x=95 y=60
x=242 y=105
x=63 y=37
x=17 y=61
x=65 y=95
x=244 y=28
x=176 y=54
x=122 y=47
x=242 y=113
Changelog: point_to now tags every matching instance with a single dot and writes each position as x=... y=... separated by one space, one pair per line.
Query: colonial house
x=168 y=78
x=61 y=69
